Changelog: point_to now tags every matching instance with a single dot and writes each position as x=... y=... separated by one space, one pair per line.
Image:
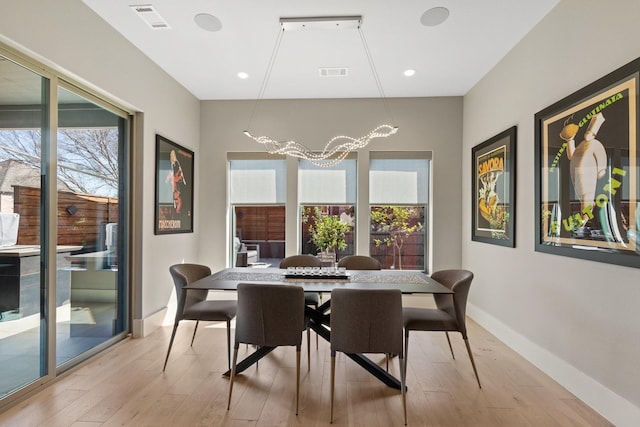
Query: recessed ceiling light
x=243 y=75
x=208 y=22
x=409 y=72
x=434 y=16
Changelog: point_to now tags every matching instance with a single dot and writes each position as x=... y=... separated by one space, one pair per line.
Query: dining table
x=323 y=280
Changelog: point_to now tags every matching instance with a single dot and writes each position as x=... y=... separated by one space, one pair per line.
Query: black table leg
x=318 y=322
x=314 y=317
x=251 y=359
x=375 y=370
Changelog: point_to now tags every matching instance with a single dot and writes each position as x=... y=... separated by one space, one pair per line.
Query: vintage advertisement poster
x=588 y=183
x=174 y=188
x=493 y=189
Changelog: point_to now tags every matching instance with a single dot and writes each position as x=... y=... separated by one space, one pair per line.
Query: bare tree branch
x=87 y=158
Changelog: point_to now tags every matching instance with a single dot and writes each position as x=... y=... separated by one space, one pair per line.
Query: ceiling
x=448 y=59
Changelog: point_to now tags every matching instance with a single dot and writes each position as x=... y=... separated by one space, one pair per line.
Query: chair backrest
x=270 y=315
x=459 y=281
x=366 y=321
x=182 y=275
x=300 y=261
x=359 y=262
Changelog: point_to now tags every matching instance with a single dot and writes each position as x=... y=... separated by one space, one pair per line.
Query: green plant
x=327 y=231
x=399 y=222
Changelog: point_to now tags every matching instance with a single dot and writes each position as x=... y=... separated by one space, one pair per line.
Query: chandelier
x=338 y=147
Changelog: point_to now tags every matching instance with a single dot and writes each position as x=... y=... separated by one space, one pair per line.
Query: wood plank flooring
x=125 y=386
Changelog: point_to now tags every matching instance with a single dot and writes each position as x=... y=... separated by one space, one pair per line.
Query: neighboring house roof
x=15 y=172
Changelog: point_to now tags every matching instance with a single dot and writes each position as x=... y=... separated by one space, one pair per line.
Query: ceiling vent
x=334 y=72
x=150 y=16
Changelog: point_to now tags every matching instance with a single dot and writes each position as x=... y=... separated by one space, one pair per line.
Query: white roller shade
x=335 y=185
x=257 y=181
x=398 y=181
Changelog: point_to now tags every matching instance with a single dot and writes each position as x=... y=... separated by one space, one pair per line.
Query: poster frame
x=495 y=154
x=174 y=205
x=568 y=223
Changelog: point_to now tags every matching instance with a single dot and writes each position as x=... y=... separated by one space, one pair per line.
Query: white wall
x=70 y=37
x=577 y=320
x=433 y=124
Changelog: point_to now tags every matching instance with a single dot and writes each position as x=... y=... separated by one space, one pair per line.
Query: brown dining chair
x=269 y=316
x=303 y=260
x=367 y=321
x=359 y=262
x=193 y=304
x=310 y=298
x=450 y=313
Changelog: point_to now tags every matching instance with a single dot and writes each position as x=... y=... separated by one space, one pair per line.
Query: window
x=326 y=200
x=398 y=197
x=257 y=198
x=326 y=192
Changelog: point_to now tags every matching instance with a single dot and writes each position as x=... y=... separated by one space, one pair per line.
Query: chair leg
x=403 y=379
x=406 y=350
x=228 y=344
x=173 y=335
x=308 y=349
x=450 y=347
x=473 y=363
x=297 y=379
x=194 y=332
x=333 y=383
x=233 y=374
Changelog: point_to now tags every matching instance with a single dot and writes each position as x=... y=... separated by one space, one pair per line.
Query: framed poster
x=586 y=162
x=493 y=189
x=174 y=188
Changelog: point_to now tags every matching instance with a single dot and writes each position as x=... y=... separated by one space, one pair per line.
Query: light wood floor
x=126 y=386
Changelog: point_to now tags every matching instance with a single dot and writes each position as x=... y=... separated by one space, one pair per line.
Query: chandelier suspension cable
x=374 y=71
x=338 y=147
x=266 y=77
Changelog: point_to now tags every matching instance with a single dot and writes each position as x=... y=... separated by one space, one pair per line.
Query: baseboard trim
x=144 y=327
x=610 y=405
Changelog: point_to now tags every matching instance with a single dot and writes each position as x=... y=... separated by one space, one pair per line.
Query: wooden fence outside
x=412 y=252
x=81 y=217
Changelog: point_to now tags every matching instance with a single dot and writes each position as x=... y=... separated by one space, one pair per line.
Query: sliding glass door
x=89 y=145
x=24 y=111
x=63 y=229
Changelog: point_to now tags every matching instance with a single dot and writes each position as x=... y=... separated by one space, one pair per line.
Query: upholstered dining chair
x=359 y=262
x=449 y=315
x=193 y=304
x=269 y=316
x=367 y=321
x=310 y=298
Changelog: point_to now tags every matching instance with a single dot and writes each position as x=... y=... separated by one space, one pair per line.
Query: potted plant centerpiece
x=328 y=235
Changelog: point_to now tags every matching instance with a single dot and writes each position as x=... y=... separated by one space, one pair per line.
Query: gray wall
x=426 y=124
x=577 y=320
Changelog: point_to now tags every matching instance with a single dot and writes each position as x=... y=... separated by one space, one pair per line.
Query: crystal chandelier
x=339 y=146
